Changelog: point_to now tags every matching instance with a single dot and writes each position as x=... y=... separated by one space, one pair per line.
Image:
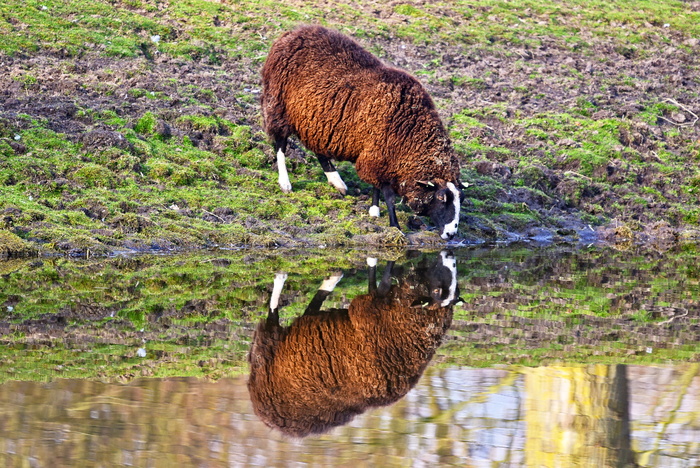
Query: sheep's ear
x=461 y=184
x=426 y=184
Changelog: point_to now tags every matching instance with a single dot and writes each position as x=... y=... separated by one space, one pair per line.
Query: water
x=498 y=357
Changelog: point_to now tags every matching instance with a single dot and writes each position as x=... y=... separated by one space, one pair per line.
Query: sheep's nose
x=448 y=236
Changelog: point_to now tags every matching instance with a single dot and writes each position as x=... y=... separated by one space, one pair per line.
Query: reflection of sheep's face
x=444 y=209
x=442 y=281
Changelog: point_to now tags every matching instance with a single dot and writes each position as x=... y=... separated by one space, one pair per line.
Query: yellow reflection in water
x=577 y=416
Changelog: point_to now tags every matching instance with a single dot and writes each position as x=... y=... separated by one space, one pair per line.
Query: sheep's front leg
x=374 y=209
x=332 y=174
x=281 y=148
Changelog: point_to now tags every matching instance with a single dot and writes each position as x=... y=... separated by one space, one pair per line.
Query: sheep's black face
x=444 y=209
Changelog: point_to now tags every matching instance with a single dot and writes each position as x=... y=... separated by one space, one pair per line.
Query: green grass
x=194 y=314
x=199 y=146
x=161 y=177
x=213 y=30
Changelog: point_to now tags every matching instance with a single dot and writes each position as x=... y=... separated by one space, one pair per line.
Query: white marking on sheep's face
x=444 y=210
x=284 y=182
x=336 y=181
x=450 y=228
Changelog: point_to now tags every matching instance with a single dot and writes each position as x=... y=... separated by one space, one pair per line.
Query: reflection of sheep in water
x=345 y=105
x=331 y=365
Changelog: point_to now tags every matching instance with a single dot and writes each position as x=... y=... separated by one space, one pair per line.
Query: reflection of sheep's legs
x=323 y=292
x=385 y=283
x=277 y=287
x=332 y=174
x=331 y=282
x=374 y=209
x=281 y=147
x=372 y=264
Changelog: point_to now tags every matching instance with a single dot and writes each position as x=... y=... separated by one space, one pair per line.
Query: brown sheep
x=345 y=105
x=328 y=366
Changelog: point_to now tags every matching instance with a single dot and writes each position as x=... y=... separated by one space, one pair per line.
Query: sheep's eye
x=437 y=291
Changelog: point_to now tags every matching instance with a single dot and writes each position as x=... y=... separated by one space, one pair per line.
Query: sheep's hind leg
x=332 y=174
x=389 y=199
x=281 y=148
x=374 y=209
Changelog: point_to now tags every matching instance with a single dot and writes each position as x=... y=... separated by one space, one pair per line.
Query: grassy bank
x=134 y=125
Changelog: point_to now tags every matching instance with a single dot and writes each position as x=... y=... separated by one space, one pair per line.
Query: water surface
x=597 y=415
x=514 y=357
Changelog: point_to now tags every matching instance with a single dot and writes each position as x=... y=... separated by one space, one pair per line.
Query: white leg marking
x=277 y=287
x=374 y=211
x=448 y=260
x=335 y=180
x=330 y=283
x=450 y=229
x=371 y=262
x=285 y=185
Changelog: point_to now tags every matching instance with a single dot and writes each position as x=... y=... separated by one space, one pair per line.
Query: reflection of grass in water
x=196 y=313
x=494 y=354
x=122 y=362
x=600 y=305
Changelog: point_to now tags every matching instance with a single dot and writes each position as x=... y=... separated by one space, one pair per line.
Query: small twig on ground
x=577 y=174
x=676 y=103
x=212 y=214
x=672 y=318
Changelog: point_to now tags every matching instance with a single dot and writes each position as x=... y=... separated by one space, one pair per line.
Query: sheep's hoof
x=330 y=283
x=374 y=211
x=280 y=278
x=286 y=188
x=336 y=181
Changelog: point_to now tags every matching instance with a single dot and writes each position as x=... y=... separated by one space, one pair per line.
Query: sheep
x=345 y=105
x=331 y=365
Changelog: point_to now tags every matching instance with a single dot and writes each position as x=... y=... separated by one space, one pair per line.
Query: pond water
x=480 y=357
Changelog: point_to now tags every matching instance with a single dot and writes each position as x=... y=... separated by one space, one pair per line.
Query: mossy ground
x=135 y=125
